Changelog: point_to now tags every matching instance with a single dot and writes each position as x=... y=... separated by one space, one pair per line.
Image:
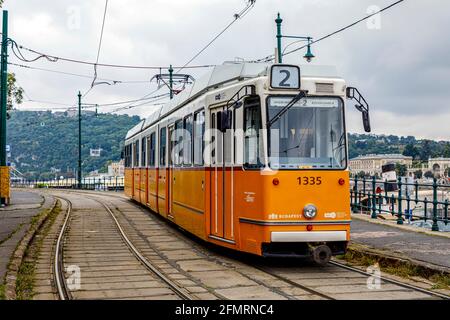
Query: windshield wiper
x=289 y=149
x=294 y=100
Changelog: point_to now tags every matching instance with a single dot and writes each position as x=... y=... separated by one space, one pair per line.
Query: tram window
x=162 y=147
x=228 y=139
x=144 y=152
x=309 y=135
x=199 y=131
x=252 y=127
x=152 y=150
x=187 y=141
x=213 y=139
x=177 y=148
x=136 y=154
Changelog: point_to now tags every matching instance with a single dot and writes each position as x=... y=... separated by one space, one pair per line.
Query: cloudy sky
x=400 y=60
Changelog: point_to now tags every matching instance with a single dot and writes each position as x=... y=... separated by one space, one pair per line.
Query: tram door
x=221 y=181
x=169 y=178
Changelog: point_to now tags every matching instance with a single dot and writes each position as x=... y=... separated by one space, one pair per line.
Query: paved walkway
x=15 y=220
x=401 y=241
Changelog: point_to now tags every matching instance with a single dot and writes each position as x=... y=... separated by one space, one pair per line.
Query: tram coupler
x=320 y=254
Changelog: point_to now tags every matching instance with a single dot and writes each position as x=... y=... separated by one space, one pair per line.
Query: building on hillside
x=116 y=169
x=438 y=166
x=371 y=164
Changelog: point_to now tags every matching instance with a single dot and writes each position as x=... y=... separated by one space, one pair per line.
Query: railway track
x=334 y=282
x=91 y=261
x=314 y=283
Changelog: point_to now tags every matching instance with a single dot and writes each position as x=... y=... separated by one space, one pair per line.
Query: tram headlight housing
x=310 y=211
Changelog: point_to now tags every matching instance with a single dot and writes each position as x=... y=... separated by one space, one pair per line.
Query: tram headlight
x=310 y=211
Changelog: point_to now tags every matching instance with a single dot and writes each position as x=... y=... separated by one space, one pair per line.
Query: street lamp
x=308 y=56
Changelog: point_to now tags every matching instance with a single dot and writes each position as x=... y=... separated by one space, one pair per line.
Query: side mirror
x=362 y=106
x=366 y=121
x=224 y=120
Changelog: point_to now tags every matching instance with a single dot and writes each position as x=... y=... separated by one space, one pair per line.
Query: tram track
x=392 y=281
x=59 y=264
x=403 y=289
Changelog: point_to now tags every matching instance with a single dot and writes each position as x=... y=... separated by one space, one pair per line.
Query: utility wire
x=100 y=44
x=53 y=58
x=272 y=57
x=249 y=6
x=78 y=75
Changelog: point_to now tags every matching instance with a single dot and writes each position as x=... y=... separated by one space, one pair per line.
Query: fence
x=91 y=183
x=407 y=201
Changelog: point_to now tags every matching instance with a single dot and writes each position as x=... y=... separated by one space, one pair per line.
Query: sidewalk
x=15 y=220
x=403 y=241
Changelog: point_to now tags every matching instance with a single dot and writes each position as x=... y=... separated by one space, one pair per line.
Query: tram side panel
x=128 y=183
x=162 y=191
x=143 y=185
x=188 y=202
x=136 y=184
x=152 y=189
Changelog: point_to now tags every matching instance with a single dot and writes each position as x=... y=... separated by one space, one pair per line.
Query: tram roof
x=221 y=75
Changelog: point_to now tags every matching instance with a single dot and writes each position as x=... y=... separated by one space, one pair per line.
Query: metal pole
x=278 y=21
x=435 y=226
x=4 y=178
x=171 y=81
x=79 y=140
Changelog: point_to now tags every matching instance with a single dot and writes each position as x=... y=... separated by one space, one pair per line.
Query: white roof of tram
x=220 y=75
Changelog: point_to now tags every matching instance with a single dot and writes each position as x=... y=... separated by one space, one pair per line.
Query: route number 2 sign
x=285 y=77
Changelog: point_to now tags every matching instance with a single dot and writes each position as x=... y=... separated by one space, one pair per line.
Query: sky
x=399 y=60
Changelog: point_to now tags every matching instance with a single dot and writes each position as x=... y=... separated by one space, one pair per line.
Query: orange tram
x=252 y=157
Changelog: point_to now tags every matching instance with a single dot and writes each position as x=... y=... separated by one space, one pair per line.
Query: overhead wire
x=272 y=56
x=100 y=44
x=77 y=74
x=237 y=16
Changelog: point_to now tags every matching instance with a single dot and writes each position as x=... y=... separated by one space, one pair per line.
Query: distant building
x=371 y=164
x=437 y=165
x=116 y=169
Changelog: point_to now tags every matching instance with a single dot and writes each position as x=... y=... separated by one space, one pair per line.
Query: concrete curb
x=405 y=227
x=19 y=253
x=424 y=268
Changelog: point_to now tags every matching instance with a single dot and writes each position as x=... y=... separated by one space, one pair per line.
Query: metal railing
x=407 y=201
x=90 y=183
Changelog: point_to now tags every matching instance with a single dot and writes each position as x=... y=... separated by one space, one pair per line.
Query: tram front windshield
x=310 y=135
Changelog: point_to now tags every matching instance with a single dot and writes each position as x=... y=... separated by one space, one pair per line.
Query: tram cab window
x=152 y=150
x=162 y=147
x=144 y=151
x=199 y=131
x=310 y=135
x=252 y=127
x=187 y=141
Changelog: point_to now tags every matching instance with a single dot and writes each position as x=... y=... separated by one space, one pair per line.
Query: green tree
x=411 y=151
x=15 y=93
x=418 y=174
x=425 y=153
x=401 y=169
x=361 y=174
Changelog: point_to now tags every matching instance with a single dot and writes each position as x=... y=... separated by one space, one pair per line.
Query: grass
x=2 y=292
x=11 y=234
x=25 y=276
x=399 y=268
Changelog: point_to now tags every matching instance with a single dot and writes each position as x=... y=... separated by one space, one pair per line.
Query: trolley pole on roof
x=79 y=140
x=171 y=81
x=4 y=169
x=278 y=21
